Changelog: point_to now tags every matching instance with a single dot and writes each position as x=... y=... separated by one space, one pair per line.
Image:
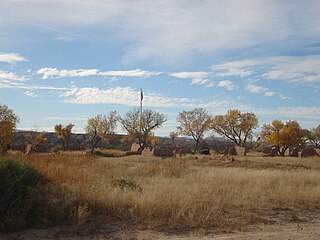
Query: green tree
x=101 y=128
x=194 y=123
x=140 y=127
x=8 y=123
x=236 y=126
x=64 y=134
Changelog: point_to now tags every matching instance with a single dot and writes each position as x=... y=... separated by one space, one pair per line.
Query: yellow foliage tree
x=194 y=123
x=64 y=134
x=282 y=135
x=35 y=139
x=101 y=128
x=236 y=126
x=8 y=123
x=313 y=136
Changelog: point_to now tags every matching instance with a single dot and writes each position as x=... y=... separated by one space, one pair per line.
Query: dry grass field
x=183 y=195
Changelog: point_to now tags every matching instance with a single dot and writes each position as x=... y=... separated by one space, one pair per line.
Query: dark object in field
x=163 y=151
x=273 y=152
x=205 y=151
x=237 y=151
x=309 y=152
x=183 y=151
x=159 y=152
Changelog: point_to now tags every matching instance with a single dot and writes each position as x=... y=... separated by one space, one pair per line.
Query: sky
x=67 y=61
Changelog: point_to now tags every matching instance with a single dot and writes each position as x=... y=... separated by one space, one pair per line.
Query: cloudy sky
x=65 y=61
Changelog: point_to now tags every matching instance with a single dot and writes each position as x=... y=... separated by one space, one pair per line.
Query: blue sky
x=65 y=61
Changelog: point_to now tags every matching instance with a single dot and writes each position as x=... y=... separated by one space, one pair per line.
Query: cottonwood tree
x=313 y=136
x=8 y=123
x=236 y=126
x=140 y=127
x=282 y=135
x=35 y=139
x=64 y=134
x=194 y=123
x=101 y=128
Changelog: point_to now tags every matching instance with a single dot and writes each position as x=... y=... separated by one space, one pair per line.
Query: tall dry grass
x=178 y=193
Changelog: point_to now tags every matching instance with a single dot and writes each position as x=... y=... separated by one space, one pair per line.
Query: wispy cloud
x=123 y=96
x=190 y=28
x=291 y=112
x=197 y=78
x=60 y=73
x=299 y=69
x=226 y=84
x=10 y=76
x=30 y=94
x=56 y=73
x=14 y=81
x=258 y=90
x=11 y=58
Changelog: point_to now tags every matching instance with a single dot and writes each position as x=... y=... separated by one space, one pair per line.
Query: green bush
x=21 y=194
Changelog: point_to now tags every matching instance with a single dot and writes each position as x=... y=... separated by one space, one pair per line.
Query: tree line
x=139 y=126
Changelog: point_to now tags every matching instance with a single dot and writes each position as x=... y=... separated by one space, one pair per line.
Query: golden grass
x=179 y=192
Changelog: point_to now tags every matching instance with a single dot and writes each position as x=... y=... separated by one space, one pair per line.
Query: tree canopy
x=101 y=128
x=140 y=127
x=236 y=126
x=282 y=135
x=8 y=123
x=194 y=123
x=64 y=134
x=313 y=136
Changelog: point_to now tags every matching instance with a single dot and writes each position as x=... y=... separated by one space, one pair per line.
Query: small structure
x=28 y=149
x=294 y=152
x=241 y=151
x=163 y=151
x=232 y=151
x=309 y=152
x=183 y=151
x=135 y=147
x=147 y=152
x=267 y=150
x=226 y=151
x=237 y=151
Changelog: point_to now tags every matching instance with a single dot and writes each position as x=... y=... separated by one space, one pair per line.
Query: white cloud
x=57 y=73
x=197 y=78
x=123 y=96
x=11 y=58
x=282 y=97
x=130 y=73
x=226 y=84
x=190 y=75
x=299 y=69
x=269 y=94
x=256 y=89
x=9 y=76
x=292 y=113
x=31 y=94
x=259 y=90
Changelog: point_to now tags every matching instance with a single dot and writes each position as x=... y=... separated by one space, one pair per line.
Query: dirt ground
x=278 y=231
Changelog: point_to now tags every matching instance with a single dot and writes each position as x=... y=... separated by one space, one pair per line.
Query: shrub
x=20 y=190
